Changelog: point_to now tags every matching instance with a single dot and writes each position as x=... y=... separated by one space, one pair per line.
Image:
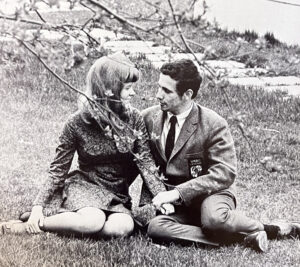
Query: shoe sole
x=258 y=241
x=295 y=230
x=262 y=241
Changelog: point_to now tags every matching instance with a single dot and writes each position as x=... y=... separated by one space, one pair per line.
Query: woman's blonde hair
x=104 y=82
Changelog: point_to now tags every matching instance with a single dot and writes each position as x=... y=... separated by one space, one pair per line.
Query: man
x=195 y=150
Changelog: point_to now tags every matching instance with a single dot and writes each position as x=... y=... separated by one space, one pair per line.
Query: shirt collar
x=180 y=117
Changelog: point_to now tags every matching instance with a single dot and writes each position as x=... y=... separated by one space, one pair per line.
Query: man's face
x=167 y=95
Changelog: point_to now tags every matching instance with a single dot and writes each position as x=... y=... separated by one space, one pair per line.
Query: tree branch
x=40 y=16
x=33 y=22
x=211 y=71
x=48 y=25
x=63 y=81
x=124 y=21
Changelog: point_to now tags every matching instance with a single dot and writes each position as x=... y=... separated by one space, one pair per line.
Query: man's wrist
x=179 y=201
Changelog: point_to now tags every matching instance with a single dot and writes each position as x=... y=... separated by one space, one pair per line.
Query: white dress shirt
x=180 y=121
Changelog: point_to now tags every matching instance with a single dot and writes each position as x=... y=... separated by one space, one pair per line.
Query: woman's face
x=127 y=92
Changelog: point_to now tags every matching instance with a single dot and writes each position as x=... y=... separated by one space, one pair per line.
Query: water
x=259 y=15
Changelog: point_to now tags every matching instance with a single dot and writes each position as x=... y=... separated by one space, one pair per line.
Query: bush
x=250 y=36
x=255 y=60
x=271 y=40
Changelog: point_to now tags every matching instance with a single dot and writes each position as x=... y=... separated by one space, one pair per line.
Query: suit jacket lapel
x=187 y=130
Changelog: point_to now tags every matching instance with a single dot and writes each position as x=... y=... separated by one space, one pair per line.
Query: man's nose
x=158 y=94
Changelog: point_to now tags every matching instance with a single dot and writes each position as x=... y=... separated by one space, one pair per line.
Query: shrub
x=271 y=40
x=250 y=36
x=256 y=60
x=223 y=51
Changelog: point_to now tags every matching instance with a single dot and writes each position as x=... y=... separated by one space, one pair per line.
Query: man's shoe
x=257 y=240
x=13 y=227
x=287 y=229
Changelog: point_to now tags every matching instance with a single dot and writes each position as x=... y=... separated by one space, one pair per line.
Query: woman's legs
x=84 y=221
x=117 y=225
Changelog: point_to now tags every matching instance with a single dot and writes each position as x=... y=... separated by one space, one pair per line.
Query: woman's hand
x=33 y=221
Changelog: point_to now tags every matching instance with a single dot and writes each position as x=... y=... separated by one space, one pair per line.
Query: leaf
x=154 y=136
x=266 y=159
x=54 y=3
x=154 y=169
x=108 y=92
x=138 y=134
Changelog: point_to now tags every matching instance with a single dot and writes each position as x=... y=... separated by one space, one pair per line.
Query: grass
x=33 y=108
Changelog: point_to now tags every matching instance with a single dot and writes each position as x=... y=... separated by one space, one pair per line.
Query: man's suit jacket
x=203 y=160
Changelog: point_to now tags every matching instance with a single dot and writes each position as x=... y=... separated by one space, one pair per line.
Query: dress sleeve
x=146 y=164
x=59 y=167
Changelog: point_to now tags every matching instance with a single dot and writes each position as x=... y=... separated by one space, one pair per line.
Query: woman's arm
x=58 y=172
x=146 y=164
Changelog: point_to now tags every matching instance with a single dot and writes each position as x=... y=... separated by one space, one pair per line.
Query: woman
x=111 y=142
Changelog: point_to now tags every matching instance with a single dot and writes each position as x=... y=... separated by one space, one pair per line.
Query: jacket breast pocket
x=195 y=164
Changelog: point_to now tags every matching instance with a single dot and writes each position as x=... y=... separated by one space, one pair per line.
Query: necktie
x=170 y=137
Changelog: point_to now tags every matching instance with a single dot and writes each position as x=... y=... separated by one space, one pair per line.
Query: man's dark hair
x=185 y=72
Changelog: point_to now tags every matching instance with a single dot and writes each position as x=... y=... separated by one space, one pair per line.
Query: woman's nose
x=131 y=92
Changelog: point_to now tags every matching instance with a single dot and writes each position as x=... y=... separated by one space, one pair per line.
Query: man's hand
x=165 y=197
x=167 y=209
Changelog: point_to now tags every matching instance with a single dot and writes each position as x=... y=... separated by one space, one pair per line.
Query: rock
x=218 y=64
x=104 y=35
x=281 y=80
x=247 y=81
x=136 y=47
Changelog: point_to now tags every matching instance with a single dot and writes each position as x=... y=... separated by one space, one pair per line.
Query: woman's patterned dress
x=104 y=174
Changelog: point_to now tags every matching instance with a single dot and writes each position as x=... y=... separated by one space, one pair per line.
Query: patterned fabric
x=104 y=172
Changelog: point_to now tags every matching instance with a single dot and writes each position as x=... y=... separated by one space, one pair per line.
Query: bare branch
x=211 y=71
x=124 y=21
x=195 y=43
x=285 y=3
x=84 y=5
x=47 y=25
x=158 y=7
x=40 y=16
x=63 y=81
x=90 y=19
x=33 y=22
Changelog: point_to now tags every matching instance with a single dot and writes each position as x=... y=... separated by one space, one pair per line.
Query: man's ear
x=189 y=93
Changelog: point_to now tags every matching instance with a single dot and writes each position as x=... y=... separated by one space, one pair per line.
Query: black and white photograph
x=149 y=133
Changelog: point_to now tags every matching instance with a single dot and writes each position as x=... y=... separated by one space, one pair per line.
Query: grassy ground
x=33 y=108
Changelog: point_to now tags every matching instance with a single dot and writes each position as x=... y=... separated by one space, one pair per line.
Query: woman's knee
x=118 y=225
x=91 y=220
